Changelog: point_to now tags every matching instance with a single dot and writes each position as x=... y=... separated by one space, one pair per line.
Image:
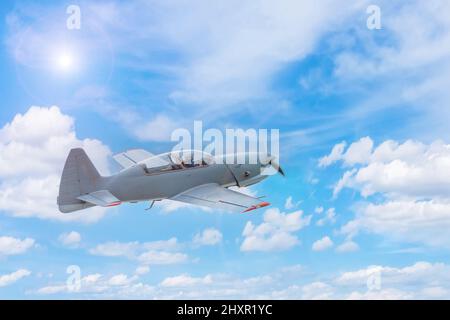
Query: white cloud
x=343 y=182
x=131 y=249
x=119 y=280
x=8 y=279
x=422 y=280
x=185 y=281
x=227 y=286
x=290 y=204
x=208 y=237
x=158 y=129
x=409 y=68
x=424 y=222
x=278 y=33
x=14 y=246
x=330 y=217
x=410 y=169
x=52 y=289
x=413 y=180
x=357 y=153
x=322 y=244
x=335 y=155
x=98 y=285
x=435 y=292
x=147 y=253
x=204 y=39
x=347 y=246
x=317 y=291
x=115 y=249
x=29 y=137
x=141 y=270
x=275 y=233
x=29 y=189
x=152 y=257
x=384 y=294
x=71 y=239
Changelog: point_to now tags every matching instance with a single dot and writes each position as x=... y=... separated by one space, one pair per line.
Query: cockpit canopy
x=177 y=160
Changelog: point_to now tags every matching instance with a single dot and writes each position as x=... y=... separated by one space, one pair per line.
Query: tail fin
x=79 y=177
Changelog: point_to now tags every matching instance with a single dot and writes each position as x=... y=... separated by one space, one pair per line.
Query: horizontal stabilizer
x=102 y=198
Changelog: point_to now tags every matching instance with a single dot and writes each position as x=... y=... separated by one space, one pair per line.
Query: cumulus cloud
x=289 y=204
x=421 y=280
x=329 y=218
x=317 y=291
x=410 y=169
x=208 y=237
x=322 y=244
x=275 y=232
x=102 y=286
x=32 y=156
x=142 y=270
x=418 y=281
x=185 y=281
x=119 y=280
x=115 y=249
x=227 y=286
x=147 y=253
x=412 y=179
x=8 y=279
x=357 y=153
x=153 y=257
x=71 y=239
x=335 y=155
x=425 y=222
x=347 y=246
x=13 y=246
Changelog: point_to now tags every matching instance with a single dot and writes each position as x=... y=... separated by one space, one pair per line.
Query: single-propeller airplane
x=191 y=176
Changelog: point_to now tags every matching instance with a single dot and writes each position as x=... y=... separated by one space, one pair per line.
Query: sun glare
x=64 y=62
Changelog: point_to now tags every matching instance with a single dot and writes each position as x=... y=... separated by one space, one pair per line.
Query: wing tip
x=257 y=206
x=114 y=204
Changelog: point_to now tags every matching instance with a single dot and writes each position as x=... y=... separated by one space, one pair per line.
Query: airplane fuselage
x=134 y=184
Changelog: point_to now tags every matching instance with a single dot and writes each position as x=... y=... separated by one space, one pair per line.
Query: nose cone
x=270 y=165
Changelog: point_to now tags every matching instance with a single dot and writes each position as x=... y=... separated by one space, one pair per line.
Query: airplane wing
x=131 y=157
x=102 y=198
x=214 y=196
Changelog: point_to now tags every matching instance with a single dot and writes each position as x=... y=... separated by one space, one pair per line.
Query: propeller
x=273 y=162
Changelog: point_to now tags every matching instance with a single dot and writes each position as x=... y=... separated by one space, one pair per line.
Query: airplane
x=192 y=176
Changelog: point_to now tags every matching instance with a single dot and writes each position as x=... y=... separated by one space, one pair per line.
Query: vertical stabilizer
x=79 y=177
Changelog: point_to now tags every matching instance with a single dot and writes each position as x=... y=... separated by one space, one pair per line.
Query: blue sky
x=363 y=114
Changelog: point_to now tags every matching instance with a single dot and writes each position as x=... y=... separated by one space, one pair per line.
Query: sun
x=64 y=61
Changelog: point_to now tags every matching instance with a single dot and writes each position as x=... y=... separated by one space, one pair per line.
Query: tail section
x=79 y=177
